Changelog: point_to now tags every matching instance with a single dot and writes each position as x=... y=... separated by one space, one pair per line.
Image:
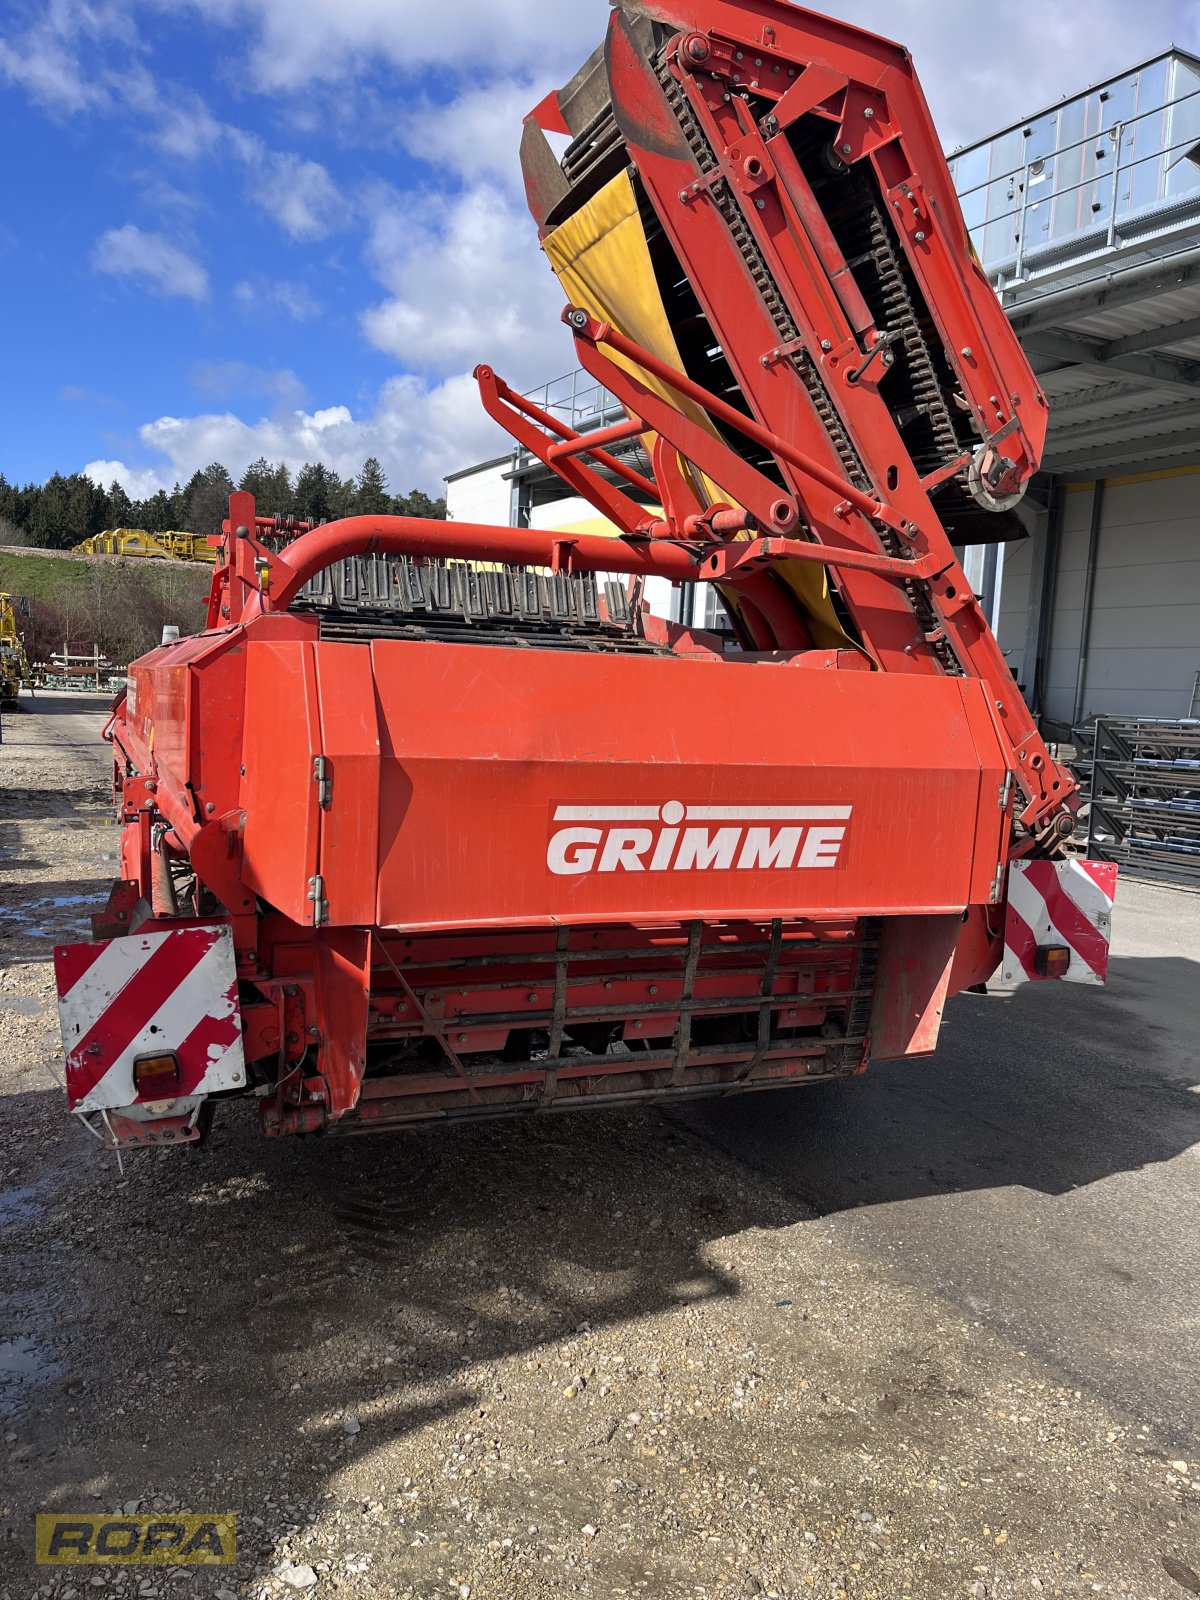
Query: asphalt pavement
x=1042 y=1171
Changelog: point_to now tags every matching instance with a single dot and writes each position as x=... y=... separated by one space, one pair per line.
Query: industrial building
x=1086 y=217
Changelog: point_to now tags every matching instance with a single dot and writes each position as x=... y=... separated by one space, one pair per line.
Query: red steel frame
x=370 y=817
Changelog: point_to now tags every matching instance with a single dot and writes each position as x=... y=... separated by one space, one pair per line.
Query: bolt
x=826 y=344
x=919 y=237
x=868 y=113
x=462 y=1038
x=967 y=352
x=243 y=533
x=761 y=205
x=293 y=1038
x=683 y=194
x=291 y=990
x=738 y=56
x=791 y=72
x=313 y=1031
x=758 y=61
x=532 y=998
x=845 y=149
x=653 y=988
x=210 y=808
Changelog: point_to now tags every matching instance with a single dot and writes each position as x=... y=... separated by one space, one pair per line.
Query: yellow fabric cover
x=602 y=261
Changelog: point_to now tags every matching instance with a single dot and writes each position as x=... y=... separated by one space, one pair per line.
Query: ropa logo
x=183 y=1539
x=678 y=838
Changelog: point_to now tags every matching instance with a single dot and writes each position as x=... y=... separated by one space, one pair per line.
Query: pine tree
x=120 y=507
x=371 y=498
x=207 y=499
x=416 y=503
x=49 y=520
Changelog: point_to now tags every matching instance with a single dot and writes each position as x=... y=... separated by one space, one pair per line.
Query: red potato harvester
x=437 y=821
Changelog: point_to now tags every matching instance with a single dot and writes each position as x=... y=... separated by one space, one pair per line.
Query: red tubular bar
x=586 y=443
x=544 y=419
x=585 y=327
x=469 y=541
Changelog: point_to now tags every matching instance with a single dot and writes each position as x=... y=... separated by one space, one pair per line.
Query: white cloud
x=43 y=49
x=298 y=193
x=476 y=135
x=295 y=300
x=418 y=432
x=297 y=42
x=152 y=259
x=138 y=482
x=468 y=283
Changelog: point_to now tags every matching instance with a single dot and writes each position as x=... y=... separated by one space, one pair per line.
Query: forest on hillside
x=66 y=509
x=117 y=606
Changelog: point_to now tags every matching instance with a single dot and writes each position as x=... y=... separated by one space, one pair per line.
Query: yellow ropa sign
x=193 y=1539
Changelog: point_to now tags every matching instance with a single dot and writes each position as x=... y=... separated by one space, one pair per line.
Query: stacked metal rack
x=1142 y=776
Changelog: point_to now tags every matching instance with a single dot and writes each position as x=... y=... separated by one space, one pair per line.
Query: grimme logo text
x=678 y=838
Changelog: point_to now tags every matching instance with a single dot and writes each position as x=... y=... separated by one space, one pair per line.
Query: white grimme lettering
x=573 y=852
x=698 y=848
x=770 y=847
x=821 y=847
x=625 y=848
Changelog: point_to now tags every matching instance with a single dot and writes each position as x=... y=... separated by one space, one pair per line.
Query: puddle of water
x=18 y=1205
x=23 y=1366
x=25 y=1005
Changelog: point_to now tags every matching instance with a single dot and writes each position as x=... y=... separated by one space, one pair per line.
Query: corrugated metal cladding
x=1143 y=647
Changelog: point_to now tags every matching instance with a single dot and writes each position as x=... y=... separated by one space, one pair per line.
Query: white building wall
x=1144 y=646
x=484 y=495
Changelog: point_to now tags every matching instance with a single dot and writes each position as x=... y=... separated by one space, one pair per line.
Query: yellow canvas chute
x=602 y=261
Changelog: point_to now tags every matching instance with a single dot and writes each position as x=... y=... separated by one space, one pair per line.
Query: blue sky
x=291 y=227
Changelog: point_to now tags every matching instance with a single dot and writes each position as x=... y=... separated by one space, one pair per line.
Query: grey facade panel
x=1143 y=651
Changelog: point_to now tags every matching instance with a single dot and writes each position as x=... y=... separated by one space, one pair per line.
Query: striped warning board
x=1056 y=907
x=149 y=994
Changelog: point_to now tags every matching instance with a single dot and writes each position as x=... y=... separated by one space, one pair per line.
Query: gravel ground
x=592 y=1356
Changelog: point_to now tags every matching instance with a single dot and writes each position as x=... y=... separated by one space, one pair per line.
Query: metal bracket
x=324 y=782
x=316 y=893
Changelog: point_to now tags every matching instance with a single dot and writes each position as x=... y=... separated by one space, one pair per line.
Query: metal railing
x=1107 y=212
x=577 y=400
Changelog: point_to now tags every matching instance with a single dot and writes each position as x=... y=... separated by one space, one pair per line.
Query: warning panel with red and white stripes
x=149 y=994
x=1055 y=906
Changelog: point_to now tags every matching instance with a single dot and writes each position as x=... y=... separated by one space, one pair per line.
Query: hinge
x=323 y=781
x=316 y=893
x=998 y=885
x=1006 y=789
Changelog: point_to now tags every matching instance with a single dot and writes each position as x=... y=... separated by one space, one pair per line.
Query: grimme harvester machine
x=436 y=821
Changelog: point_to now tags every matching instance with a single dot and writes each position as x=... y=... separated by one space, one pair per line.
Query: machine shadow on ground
x=1049 y=1088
